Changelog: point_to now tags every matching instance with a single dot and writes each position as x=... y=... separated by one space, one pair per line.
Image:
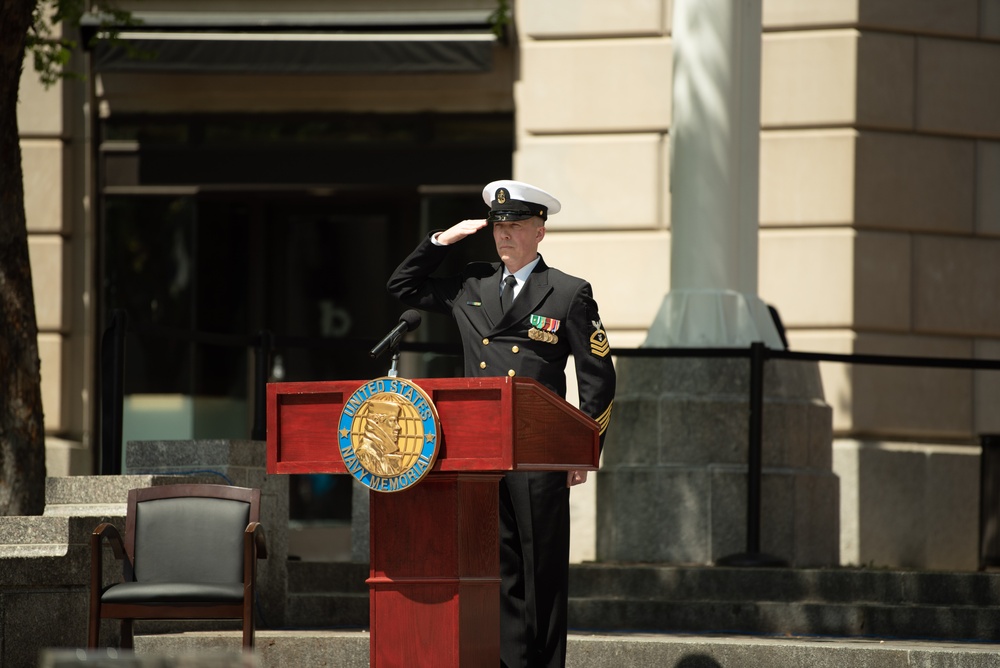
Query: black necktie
x=507 y=295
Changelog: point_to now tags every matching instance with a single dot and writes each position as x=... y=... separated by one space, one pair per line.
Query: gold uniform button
x=514 y=350
x=486 y=342
x=511 y=373
x=482 y=365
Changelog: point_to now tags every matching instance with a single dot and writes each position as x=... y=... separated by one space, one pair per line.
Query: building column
x=673 y=486
x=714 y=164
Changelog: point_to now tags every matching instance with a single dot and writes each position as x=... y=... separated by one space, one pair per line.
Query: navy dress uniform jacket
x=534 y=507
x=498 y=344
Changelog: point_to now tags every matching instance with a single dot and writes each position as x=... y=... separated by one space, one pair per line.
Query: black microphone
x=408 y=322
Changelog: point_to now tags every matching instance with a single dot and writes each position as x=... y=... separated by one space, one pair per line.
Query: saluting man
x=520 y=317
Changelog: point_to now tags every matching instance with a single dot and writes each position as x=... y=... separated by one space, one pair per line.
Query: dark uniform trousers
x=553 y=316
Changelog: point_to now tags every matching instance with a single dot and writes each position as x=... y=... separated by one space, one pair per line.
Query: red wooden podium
x=435 y=572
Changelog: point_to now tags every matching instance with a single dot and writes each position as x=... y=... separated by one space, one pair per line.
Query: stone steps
x=843 y=585
x=46 y=535
x=961 y=623
x=34 y=536
x=327 y=595
x=327 y=611
x=350 y=649
x=840 y=602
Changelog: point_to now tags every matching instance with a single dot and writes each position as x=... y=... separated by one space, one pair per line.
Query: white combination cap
x=514 y=200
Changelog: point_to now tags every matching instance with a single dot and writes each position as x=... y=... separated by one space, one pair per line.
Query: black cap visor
x=509 y=216
x=513 y=209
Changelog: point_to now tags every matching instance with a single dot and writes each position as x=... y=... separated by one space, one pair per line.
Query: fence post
x=755 y=455
x=262 y=370
x=989 y=501
x=753 y=556
x=112 y=393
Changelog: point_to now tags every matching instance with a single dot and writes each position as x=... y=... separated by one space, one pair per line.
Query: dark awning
x=302 y=43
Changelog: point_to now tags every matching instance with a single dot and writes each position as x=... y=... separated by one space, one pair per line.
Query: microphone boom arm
x=408 y=322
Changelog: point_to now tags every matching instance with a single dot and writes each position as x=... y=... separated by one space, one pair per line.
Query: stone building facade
x=879 y=208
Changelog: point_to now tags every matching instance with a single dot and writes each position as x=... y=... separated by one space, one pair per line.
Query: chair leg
x=248 y=628
x=94 y=631
x=248 y=637
x=127 y=635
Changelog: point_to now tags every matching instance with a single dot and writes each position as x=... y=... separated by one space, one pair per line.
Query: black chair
x=190 y=552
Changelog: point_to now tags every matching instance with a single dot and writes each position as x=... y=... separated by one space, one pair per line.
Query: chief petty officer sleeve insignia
x=604 y=418
x=599 y=344
x=543 y=329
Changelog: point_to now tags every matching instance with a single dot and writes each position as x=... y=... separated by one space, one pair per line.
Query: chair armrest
x=109 y=531
x=255 y=534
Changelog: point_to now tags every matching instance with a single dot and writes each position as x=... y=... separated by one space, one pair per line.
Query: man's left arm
x=595 y=372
